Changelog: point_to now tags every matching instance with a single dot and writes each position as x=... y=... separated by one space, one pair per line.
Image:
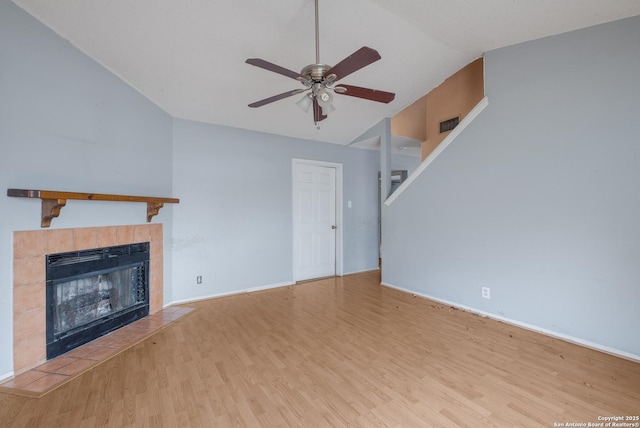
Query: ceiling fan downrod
x=317 y=35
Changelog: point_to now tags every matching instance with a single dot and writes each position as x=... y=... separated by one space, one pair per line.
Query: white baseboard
x=269 y=287
x=249 y=290
x=232 y=293
x=360 y=271
x=6 y=375
x=546 y=332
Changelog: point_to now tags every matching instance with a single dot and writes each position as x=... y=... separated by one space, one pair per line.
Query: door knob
x=334 y=227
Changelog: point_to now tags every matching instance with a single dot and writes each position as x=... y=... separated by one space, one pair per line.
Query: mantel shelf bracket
x=152 y=209
x=50 y=210
x=53 y=201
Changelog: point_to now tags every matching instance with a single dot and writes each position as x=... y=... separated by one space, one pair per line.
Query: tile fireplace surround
x=29 y=250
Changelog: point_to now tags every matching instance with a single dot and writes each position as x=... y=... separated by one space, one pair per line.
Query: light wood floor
x=338 y=352
x=57 y=371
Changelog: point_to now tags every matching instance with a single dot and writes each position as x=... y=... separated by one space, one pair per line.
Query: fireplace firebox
x=93 y=292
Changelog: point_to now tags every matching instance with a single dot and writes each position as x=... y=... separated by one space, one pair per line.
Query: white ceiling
x=187 y=56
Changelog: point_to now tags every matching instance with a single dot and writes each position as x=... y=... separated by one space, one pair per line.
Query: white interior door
x=314 y=217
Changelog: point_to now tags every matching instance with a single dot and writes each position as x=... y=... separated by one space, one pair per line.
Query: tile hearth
x=60 y=370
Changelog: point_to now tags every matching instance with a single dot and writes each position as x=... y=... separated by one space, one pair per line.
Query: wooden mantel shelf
x=53 y=201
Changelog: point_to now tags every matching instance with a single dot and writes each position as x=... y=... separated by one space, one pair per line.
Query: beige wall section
x=411 y=122
x=456 y=96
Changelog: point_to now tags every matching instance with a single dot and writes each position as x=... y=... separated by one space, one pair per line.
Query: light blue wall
x=539 y=198
x=68 y=124
x=234 y=222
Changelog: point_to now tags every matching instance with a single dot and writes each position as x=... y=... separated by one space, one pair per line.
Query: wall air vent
x=449 y=124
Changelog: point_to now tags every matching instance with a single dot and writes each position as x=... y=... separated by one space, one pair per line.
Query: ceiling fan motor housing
x=315 y=71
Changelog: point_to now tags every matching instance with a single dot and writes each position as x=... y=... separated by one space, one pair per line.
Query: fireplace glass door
x=82 y=301
x=91 y=293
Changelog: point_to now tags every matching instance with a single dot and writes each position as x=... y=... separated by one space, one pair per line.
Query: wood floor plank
x=338 y=352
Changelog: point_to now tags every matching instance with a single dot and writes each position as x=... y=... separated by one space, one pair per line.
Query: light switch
x=348 y=204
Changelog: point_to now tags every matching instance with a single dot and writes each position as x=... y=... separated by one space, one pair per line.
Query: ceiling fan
x=319 y=80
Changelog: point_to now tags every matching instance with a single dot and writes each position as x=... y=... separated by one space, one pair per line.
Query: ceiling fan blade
x=366 y=93
x=273 y=67
x=354 y=62
x=317 y=112
x=277 y=97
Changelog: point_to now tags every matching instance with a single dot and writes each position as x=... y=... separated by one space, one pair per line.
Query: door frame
x=339 y=223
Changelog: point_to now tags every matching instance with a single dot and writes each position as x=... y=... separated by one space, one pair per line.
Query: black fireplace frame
x=73 y=265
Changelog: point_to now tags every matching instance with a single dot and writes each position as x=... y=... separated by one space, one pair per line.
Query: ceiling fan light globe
x=305 y=103
x=327 y=109
x=325 y=98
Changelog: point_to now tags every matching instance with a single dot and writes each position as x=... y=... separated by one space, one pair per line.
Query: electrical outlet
x=198 y=279
x=486 y=293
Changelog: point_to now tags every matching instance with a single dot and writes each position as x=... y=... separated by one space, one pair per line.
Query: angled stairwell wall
x=538 y=197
